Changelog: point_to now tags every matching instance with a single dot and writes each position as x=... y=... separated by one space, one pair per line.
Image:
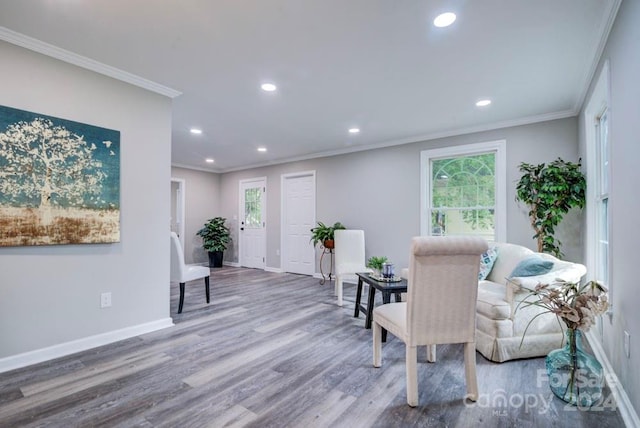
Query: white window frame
x=598 y=103
x=499 y=148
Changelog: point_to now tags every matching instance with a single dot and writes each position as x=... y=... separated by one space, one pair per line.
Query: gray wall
x=202 y=195
x=623 y=52
x=51 y=295
x=379 y=190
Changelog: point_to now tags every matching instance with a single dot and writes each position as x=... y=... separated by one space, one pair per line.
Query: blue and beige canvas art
x=59 y=181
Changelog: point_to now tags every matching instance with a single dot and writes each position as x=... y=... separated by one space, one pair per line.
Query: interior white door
x=252 y=223
x=299 y=214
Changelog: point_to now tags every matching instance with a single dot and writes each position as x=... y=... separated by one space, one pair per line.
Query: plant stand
x=328 y=276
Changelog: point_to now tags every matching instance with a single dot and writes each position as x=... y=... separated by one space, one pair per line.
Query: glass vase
x=575 y=376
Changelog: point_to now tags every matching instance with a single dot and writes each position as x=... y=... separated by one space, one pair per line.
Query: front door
x=252 y=223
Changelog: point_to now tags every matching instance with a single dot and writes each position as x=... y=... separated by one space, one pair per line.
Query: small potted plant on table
x=376 y=263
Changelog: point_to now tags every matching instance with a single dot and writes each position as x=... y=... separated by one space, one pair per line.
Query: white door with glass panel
x=298 y=217
x=252 y=223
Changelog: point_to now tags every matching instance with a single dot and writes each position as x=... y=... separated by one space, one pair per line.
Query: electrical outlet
x=105 y=300
x=627 y=344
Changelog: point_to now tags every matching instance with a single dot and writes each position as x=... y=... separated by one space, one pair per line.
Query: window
x=252 y=207
x=463 y=191
x=602 y=198
x=597 y=122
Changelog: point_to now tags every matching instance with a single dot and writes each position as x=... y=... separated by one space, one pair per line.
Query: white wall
x=379 y=190
x=202 y=195
x=623 y=52
x=51 y=295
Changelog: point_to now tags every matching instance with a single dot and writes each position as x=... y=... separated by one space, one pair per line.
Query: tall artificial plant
x=550 y=191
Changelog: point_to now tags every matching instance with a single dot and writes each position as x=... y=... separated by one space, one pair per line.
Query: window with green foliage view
x=463 y=195
x=463 y=190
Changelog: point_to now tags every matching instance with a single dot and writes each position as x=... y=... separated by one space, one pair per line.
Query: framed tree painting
x=59 y=181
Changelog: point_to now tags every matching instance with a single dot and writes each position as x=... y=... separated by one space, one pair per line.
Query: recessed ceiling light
x=196 y=131
x=483 y=103
x=354 y=130
x=262 y=149
x=208 y=160
x=444 y=19
x=269 y=87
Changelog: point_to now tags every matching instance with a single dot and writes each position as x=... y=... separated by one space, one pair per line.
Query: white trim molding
x=52 y=51
x=623 y=403
x=67 y=348
x=273 y=269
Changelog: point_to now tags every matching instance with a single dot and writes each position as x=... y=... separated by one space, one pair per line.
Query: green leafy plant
x=550 y=191
x=375 y=262
x=323 y=233
x=215 y=235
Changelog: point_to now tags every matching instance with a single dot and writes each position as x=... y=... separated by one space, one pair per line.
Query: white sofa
x=499 y=327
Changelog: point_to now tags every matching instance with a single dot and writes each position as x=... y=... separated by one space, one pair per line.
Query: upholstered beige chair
x=440 y=306
x=350 y=259
x=183 y=273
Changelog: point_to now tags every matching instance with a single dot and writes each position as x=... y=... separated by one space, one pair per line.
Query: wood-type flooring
x=274 y=350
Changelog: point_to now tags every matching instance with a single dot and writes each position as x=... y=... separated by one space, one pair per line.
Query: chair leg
x=470 y=370
x=339 y=290
x=412 y=375
x=431 y=353
x=181 y=297
x=377 y=344
x=206 y=287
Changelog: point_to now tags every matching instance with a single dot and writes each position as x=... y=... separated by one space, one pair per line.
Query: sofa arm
x=567 y=271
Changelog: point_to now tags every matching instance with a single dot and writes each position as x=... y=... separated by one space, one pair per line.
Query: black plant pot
x=215 y=259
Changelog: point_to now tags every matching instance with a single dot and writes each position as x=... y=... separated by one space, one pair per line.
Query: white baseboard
x=232 y=264
x=67 y=348
x=272 y=269
x=623 y=402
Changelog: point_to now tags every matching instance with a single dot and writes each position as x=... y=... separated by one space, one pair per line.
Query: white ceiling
x=379 y=65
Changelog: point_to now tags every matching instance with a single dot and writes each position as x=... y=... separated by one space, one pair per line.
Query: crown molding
x=195 y=168
x=605 y=28
x=416 y=139
x=52 y=51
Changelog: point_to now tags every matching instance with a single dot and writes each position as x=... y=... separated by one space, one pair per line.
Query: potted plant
x=550 y=191
x=376 y=263
x=324 y=234
x=215 y=237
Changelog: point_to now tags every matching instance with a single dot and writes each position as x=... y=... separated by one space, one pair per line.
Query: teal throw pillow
x=487 y=259
x=532 y=266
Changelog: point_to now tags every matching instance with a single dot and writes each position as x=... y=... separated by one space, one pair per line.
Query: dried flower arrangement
x=575 y=376
x=576 y=305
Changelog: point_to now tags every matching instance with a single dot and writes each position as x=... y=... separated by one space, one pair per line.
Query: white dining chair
x=350 y=258
x=440 y=308
x=183 y=273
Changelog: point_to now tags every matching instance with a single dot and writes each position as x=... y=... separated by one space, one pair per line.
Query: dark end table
x=386 y=288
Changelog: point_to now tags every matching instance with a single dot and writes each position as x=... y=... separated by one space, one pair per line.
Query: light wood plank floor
x=274 y=350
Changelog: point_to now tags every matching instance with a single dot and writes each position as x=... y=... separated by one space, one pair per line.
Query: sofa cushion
x=532 y=266
x=487 y=259
x=491 y=301
x=508 y=257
